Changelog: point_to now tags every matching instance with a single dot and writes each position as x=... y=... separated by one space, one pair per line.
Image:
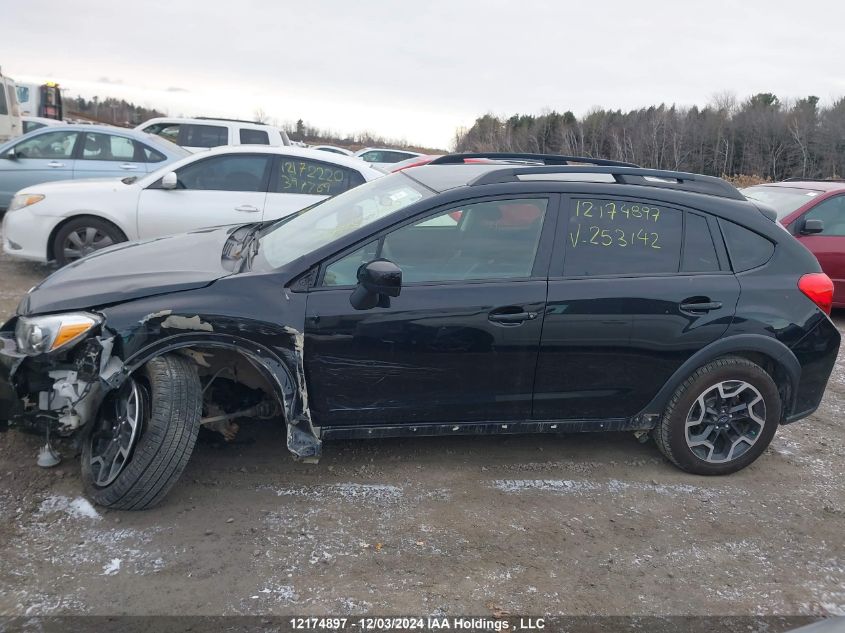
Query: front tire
x=82 y=236
x=144 y=435
x=721 y=418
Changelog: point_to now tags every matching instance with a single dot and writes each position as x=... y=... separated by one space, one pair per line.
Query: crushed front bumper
x=11 y=406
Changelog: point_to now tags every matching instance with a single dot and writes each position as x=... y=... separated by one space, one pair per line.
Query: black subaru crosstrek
x=530 y=296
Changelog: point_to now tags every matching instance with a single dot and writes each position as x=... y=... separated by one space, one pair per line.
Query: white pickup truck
x=10 y=118
x=201 y=133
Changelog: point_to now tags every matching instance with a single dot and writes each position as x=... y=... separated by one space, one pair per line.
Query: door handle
x=703 y=306
x=55 y=163
x=128 y=166
x=247 y=208
x=511 y=318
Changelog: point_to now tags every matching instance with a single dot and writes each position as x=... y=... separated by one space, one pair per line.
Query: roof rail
x=220 y=118
x=678 y=180
x=545 y=159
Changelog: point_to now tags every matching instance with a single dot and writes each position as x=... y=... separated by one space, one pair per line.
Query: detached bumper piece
x=11 y=406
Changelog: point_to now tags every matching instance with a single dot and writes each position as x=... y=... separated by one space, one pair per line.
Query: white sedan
x=66 y=220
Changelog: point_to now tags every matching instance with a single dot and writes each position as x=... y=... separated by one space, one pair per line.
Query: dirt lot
x=584 y=524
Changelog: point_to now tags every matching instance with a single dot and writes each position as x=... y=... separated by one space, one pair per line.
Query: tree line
x=762 y=136
x=109 y=110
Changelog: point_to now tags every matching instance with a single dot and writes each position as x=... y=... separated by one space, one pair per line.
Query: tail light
x=819 y=288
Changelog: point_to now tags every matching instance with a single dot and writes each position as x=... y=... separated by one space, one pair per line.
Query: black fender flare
x=736 y=344
x=303 y=438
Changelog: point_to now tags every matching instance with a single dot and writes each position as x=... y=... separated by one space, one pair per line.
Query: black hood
x=133 y=270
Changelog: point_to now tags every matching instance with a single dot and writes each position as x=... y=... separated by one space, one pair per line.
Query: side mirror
x=169 y=180
x=812 y=227
x=10 y=154
x=378 y=280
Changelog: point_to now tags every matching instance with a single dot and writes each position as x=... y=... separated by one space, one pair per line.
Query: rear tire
x=83 y=236
x=132 y=466
x=720 y=419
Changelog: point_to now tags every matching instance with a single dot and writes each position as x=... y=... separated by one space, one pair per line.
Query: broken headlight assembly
x=40 y=335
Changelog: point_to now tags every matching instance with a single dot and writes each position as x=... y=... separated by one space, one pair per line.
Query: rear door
x=636 y=289
x=213 y=191
x=298 y=182
x=460 y=342
x=108 y=156
x=829 y=245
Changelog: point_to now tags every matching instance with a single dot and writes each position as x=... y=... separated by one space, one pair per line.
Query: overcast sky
x=419 y=70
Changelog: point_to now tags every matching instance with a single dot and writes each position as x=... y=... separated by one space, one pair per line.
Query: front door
x=41 y=158
x=459 y=344
x=643 y=287
x=214 y=191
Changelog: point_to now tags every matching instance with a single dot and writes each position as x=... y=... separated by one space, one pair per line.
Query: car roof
x=150 y=139
x=812 y=185
x=386 y=149
x=282 y=150
x=202 y=121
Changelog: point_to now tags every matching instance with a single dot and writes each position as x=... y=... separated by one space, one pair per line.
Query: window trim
x=542 y=258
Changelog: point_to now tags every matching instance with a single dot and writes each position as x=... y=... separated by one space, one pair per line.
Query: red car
x=814 y=212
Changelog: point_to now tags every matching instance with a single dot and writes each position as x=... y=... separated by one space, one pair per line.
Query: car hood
x=133 y=270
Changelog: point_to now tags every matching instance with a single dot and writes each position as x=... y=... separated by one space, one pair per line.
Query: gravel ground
x=579 y=524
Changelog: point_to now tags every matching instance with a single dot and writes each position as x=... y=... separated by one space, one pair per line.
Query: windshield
x=784 y=200
x=337 y=217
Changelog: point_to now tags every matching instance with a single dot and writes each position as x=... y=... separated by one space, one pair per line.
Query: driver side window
x=495 y=239
x=49 y=145
x=242 y=172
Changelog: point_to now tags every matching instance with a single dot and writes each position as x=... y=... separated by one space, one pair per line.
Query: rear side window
x=254 y=137
x=97 y=146
x=298 y=175
x=699 y=250
x=203 y=136
x=618 y=237
x=746 y=248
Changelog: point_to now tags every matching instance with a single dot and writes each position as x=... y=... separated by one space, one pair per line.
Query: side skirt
x=484 y=428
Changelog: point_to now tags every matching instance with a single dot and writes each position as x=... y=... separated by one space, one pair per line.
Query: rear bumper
x=816 y=353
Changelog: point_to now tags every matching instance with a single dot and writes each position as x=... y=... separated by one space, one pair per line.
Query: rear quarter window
x=746 y=248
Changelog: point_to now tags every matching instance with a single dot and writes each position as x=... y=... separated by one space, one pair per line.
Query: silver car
x=80 y=151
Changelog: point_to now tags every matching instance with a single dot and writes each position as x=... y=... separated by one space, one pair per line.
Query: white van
x=10 y=117
x=201 y=133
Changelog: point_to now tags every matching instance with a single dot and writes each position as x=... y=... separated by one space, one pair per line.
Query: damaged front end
x=55 y=371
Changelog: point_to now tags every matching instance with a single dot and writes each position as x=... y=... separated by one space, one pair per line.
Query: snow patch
x=78 y=508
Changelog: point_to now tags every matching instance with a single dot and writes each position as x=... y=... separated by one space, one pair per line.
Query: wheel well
x=772 y=367
x=51 y=255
